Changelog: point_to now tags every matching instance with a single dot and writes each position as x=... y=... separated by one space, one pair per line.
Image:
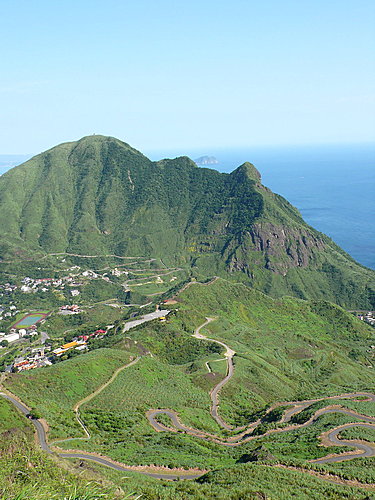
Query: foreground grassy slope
x=249 y=481
x=287 y=349
x=100 y=196
x=26 y=473
x=55 y=389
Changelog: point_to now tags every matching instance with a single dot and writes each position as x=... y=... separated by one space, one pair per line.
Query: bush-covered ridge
x=100 y=196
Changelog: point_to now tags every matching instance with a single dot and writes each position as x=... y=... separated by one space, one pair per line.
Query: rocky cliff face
x=100 y=196
x=275 y=248
x=284 y=248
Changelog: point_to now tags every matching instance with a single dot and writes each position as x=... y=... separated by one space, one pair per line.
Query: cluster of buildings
x=118 y=272
x=7 y=288
x=7 y=311
x=70 y=309
x=36 y=359
x=32 y=285
x=79 y=343
x=368 y=317
x=14 y=334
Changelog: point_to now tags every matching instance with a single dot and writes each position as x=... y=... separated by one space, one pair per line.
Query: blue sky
x=198 y=74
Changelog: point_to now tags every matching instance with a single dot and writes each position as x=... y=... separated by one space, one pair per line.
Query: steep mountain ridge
x=99 y=195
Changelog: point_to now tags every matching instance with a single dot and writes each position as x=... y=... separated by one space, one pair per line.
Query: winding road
x=244 y=434
x=363 y=449
x=229 y=353
x=79 y=455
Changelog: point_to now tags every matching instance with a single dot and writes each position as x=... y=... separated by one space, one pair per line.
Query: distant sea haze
x=332 y=186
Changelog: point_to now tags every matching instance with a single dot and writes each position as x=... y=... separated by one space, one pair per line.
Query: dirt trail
x=363 y=449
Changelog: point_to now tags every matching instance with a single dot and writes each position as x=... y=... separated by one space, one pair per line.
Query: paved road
x=368 y=450
x=147 y=317
x=38 y=426
x=123 y=468
x=246 y=436
x=297 y=406
x=42 y=439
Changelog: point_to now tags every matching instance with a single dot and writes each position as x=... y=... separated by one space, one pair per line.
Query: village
x=366 y=316
x=43 y=355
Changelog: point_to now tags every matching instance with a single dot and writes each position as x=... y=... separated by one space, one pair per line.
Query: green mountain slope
x=286 y=350
x=100 y=196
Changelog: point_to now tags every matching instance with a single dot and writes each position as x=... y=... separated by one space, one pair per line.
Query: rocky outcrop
x=277 y=248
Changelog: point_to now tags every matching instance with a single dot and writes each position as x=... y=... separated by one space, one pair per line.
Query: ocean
x=333 y=186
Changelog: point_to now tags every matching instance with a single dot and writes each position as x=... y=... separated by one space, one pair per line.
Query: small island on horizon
x=206 y=160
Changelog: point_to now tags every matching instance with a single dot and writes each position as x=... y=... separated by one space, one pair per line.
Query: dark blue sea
x=332 y=186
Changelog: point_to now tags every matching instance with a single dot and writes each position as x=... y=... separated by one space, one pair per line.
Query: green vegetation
x=250 y=481
x=55 y=389
x=84 y=205
x=363 y=433
x=287 y=349
x=11 y=419
x=26 y=473
x=29 y=474
x=99 y=196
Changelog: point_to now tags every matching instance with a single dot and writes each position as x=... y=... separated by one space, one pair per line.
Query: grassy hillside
x=54 y=390
x=286 y=349
x=26 y=473
x=100 y=196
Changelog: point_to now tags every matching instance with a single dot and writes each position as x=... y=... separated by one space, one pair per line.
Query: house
x=69 y=345
x=81 y=347
x=59 y=351
x=11 y=337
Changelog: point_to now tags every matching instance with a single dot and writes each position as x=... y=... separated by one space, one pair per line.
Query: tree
x=4 y=343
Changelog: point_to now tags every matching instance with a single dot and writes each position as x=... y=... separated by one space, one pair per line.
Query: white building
x=11 y=337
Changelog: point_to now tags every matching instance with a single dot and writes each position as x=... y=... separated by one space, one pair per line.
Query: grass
x=26 y=473
x=287 y=349
x=244 y=481
x=363 y=433
x=55 y=389
x=10 y=418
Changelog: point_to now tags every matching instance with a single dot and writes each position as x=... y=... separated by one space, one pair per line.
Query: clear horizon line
x=217 y=147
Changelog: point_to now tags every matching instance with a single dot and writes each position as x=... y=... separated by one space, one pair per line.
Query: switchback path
x=363 y=449
x=79 y=455
x=229 y=353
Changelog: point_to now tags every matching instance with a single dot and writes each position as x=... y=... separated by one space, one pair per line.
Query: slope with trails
x=99 y=196
x=240 y=435
x=368 y=450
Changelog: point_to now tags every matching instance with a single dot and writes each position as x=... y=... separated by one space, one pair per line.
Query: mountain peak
x=247 y=169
